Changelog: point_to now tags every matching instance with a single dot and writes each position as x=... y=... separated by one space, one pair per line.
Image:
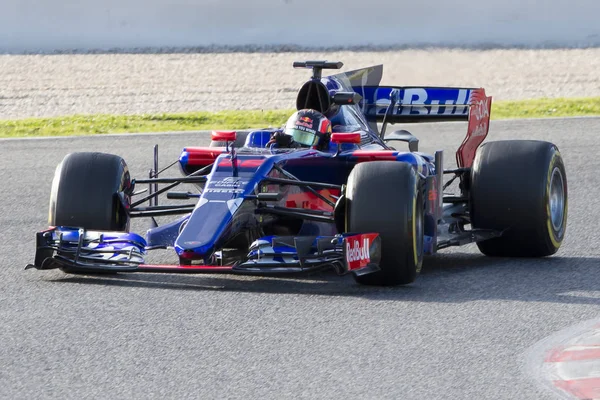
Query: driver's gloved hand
x=280 y=139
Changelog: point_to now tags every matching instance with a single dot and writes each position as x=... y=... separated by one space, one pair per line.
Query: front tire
x=519 y=187
x=85 y=192
x=385 y=197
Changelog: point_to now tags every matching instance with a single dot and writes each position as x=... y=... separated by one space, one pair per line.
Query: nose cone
x=209 y=226
x=218 y=217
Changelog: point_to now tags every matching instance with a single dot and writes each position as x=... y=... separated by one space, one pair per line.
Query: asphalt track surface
x=460 y=331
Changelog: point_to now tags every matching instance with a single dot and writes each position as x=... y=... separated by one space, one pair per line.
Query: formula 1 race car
x=358 y=206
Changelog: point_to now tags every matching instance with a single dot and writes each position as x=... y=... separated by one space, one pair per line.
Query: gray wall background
x=49 y=25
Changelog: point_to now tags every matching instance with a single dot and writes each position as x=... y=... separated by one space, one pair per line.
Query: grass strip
x=546 y=108
x=242 y=119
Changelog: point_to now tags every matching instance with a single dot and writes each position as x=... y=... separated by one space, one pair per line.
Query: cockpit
x=338 y=106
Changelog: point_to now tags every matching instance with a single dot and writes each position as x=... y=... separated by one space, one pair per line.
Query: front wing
x=77 y=250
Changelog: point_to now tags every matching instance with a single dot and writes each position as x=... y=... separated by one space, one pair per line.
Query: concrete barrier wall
x=47 y=25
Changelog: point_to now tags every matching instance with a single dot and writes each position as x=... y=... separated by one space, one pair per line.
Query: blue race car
x=325 y=191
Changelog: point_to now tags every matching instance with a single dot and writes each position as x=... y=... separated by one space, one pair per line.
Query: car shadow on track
x=450 y=277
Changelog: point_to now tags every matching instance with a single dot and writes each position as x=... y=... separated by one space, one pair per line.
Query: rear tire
x=385 y=197
x=85 y=192
x=519 y=186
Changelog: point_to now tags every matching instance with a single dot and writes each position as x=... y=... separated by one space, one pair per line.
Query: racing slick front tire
x=85 y=192
x=519 y=187
x=385 y=197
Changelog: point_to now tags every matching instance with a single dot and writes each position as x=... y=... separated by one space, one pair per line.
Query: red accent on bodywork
x=253 y=163
x=368 y=155
x=310 y=201
x=323 y=126
x=342 y=137
x=433 y=195
x=184 y=268
x=228 y=136
x=358 y=254
x=203 y=155
x=479 y=125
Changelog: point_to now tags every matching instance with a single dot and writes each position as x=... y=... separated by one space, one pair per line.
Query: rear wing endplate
x=480 y=108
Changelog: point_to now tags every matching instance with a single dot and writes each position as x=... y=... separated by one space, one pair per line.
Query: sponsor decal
x=481 y=108
x=229 y=182
x=355 y=251
x=358 y=250
x=477 y=130
x=418 y=96
x=480 y=130
x=303 y=124
x=305 y=127
x=426 y=101
x=210 y=190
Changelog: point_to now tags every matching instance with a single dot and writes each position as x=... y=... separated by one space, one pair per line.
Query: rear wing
x=431 y=104
x=416 y=104
x=411 y=104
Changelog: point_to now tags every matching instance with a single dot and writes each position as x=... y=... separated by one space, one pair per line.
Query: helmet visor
x=303 y=137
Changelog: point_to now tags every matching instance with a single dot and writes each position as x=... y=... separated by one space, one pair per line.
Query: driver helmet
x=309 y=128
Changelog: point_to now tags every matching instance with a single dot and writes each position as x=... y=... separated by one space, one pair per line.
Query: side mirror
x=341 y=98
x=223 y=136
x=342 y=137
x=404 y=136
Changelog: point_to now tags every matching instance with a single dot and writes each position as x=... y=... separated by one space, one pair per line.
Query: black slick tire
x=85 y=192
x=519 y=187
x=385 y=197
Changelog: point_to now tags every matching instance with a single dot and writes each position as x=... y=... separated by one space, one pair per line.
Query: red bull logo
x=358 y=250
x=305 y=124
